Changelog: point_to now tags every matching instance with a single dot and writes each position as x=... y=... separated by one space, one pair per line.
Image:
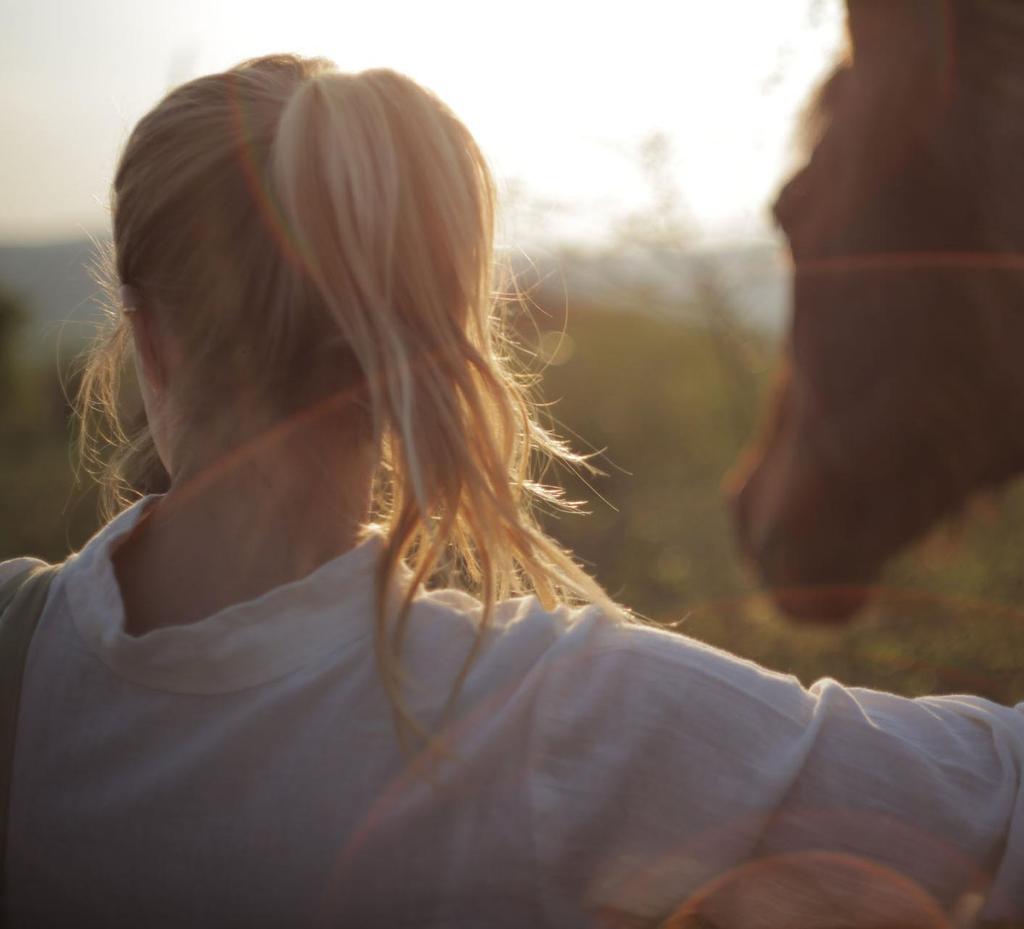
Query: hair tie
x=129 y=299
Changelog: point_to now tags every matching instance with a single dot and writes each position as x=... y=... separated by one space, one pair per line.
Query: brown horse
x=903 y=390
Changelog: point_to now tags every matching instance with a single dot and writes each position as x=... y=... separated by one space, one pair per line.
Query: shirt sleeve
x=664 y=768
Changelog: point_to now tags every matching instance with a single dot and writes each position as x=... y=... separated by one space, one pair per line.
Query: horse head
x=902 y=390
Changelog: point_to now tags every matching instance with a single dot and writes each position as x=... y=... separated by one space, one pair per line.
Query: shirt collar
x=243 y=645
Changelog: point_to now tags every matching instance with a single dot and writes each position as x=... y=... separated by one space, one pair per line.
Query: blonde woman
x=336 y=675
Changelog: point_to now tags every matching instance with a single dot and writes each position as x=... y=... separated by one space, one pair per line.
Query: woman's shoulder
x=601 y=661
x=14 y=566
x=605 y=668
x=593 y=635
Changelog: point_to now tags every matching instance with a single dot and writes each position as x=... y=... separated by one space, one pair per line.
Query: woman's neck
x=237 y=524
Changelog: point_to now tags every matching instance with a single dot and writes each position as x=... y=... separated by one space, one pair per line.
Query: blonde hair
x=325 y=234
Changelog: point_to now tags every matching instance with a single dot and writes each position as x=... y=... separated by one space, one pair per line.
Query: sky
x=562 y=96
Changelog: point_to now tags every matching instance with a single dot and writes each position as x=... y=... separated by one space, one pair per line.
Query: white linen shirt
x=243 y=770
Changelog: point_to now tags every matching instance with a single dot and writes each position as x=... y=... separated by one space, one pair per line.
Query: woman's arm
x=665 y=766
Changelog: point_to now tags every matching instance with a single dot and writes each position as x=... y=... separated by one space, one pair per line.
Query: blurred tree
x=12 y=318
x=42 y=511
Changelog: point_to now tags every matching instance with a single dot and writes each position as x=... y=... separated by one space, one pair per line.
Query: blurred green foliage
x=44 y=510
x=657 y=399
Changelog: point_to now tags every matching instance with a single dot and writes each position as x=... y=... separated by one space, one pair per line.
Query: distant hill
x=752 y=281
x=56 y=286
